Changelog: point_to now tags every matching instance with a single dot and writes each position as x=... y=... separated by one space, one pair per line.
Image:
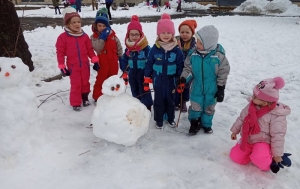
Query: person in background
x=187 y=43
x=56 y=6
x=134 y=59
x=108 y=48
x=164 y=64
x=108 y=4
x=208 y=68
x=73 y=3
x=76 y=46
x=178 y=6
x=78 y=5
x=167 y=5
x=262 y=125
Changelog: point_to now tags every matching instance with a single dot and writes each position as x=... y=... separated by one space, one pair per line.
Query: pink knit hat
x=134 y=25
x=165 y=24
x=268 y=89
x=69 y=13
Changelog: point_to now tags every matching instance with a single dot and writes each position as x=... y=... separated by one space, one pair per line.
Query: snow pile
x=282 y=7
x=19 y=114
x=252 y=6
x=119 y=117
x=193 y=5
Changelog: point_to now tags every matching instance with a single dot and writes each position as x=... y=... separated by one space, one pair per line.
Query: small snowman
x=20 y=118
x=119 y=117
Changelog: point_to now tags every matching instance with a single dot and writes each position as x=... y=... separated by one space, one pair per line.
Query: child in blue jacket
x=164 y=65
x=134 y=59
x=208 y=68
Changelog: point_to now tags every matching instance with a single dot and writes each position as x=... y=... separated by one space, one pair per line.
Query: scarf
x=136 y=46
x=72 y=33
x=167 y=45
x=250 y=125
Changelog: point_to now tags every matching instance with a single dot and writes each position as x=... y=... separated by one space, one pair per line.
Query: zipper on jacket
x=78 y=50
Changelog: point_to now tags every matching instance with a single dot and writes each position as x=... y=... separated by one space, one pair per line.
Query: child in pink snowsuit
x=262 y=124
x=76 y=46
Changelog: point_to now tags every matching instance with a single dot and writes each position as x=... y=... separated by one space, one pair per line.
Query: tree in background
x=12 y=41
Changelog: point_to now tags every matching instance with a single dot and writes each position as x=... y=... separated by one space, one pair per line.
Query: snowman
x=20 y=118
x=119 y=117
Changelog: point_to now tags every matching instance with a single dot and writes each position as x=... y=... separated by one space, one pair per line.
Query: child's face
x=199 y=45
x=185 y=33
x=258 y=101
x=134 y=35
x=100 y=27
x=75 y=24
x=165 y=36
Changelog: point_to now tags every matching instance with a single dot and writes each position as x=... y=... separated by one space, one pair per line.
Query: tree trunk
x=12 y=41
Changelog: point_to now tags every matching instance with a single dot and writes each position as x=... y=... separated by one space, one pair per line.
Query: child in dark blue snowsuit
x=134 y=59
x=164 y=65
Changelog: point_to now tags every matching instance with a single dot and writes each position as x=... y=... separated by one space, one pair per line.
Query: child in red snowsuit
x=76 y=46
x=108 y=48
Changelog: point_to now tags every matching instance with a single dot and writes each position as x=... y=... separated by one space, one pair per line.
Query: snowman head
x=113 y=86
x=13 y=72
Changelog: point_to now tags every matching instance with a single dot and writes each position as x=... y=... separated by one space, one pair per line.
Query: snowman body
x=119 y=117
x=19 y=114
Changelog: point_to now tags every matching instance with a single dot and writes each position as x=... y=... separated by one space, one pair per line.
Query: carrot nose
x=117 y=89
x=6 y=74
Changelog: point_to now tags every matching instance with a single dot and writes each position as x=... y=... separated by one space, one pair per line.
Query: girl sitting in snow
x=108 y=48
x=186 y=42
x=164 y=65
x=134 y=59
x=77 y=47
x=263 y=125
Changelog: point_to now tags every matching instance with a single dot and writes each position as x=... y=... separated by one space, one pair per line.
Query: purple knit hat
x=268 y=89
x=165 y=24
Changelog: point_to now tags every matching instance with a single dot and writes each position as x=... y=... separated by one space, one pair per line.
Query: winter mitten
x=95 y=59
x=275 y=167
x=220 y=93
x=96 y=67
x=180 y=84
x=147 y=80
x=105 y=33
x=65 y=72
x=125 y=77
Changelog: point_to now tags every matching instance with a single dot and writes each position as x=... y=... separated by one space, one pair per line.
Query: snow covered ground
x=72 y=157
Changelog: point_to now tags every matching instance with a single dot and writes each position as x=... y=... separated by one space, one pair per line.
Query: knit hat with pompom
x=268 y=89
x=165 y=24
x=69 y=13
x=134 y=25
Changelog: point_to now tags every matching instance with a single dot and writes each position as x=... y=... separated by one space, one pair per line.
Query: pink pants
x=259 y=154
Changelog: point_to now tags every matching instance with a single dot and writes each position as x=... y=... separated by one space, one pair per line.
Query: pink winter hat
x=69 y=13
x=134 y=25
x=268 y=89
x=165 y=24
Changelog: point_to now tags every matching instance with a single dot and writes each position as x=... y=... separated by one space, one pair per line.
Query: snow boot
x=77 y=108
x=199 y=126
x=172 y=124
x=207 y=130
x=194 y=126
x=85 y=99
